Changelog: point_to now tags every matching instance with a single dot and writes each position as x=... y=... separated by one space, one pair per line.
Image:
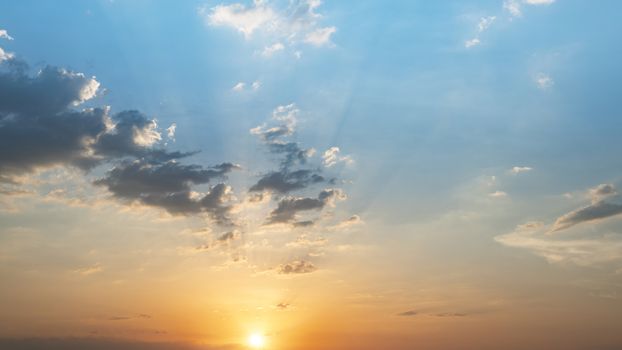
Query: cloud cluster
x=289 y=27
x=483 y=24
x=41 y=127
x=289 y=207
x=540 y=238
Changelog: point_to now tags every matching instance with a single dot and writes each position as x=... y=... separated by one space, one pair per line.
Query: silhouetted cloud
x=283 y=181
x=169 y=186
x=287 y=208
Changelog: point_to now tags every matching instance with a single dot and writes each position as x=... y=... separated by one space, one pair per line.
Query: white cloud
x=268 y=51
x=321 y=36
x=256 y=85
x=534 y=236
x=239 y=86
x=498 y=194
x=332 y=157
x=513 y=7
x=5 y=35
x=471 y=43
x=243 y=19
x=290 y=26
x=544 y=81
x=5 y=55
x=520 y=169
x=485 y=23
x=170 y=131
x=539 y=2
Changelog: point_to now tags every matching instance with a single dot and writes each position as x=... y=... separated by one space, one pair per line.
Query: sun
x=256 y=340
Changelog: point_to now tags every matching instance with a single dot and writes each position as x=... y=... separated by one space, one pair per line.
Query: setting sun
x=256 y=340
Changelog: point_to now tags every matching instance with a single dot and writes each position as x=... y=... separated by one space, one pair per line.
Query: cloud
x=534 y=236
x=544 y=81
x=539 y=2
x=483 y=24
x=520 y=169
x=268 y=51
x=288 y=208
x=298 y=23
x=284 y=181
x=595 y=211
x=332 y=157
x=498 y=194
x=353 y=220
x=514 y=7
x=170 y=131
x=89 y=270
x=256 y=85
x=244 y=19
x=239 y=87
x=320 y=36
x=408 y=313
x=288 y=178
x=296 y=267
x=168 y=185
x=126 y=318
x=602 y=191
x=5 y=35
x=472 y=42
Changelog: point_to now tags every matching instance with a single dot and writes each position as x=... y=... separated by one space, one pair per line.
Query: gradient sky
x=327 y=174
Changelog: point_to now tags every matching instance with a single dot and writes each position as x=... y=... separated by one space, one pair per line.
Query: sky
x=307 y=174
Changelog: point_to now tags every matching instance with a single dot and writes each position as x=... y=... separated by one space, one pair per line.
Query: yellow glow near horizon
x=256 y=340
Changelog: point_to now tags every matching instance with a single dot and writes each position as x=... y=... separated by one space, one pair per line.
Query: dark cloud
x=451 y=314
x=594 y=211
x=51 y=91
x=296 y=267
x=288 y=208
x=125 y=318
x=168 y=185
x=282 y=306
x=95 y=343
x=408 y=313
x=40 y=127
x=285 y=181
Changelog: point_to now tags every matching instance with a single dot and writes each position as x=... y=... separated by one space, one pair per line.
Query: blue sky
x=475 y=138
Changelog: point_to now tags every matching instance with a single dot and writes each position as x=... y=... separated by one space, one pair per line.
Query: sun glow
x=256 y=341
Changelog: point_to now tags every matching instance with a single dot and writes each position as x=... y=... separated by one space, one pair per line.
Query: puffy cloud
x=288 y=208
x=514 y=7
x=170 y=131
x=239 y=86
x=256 y=85
x=296 y=267
x=5 y=56
x=244 y=19
x=284 y=181
x=5 y=35
x=320 y=36
x=472 y=42
x=332 y=157
x=295 y=24
x=268 y=51
x=544 y=81
x=169 y=186
x=602 y=191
